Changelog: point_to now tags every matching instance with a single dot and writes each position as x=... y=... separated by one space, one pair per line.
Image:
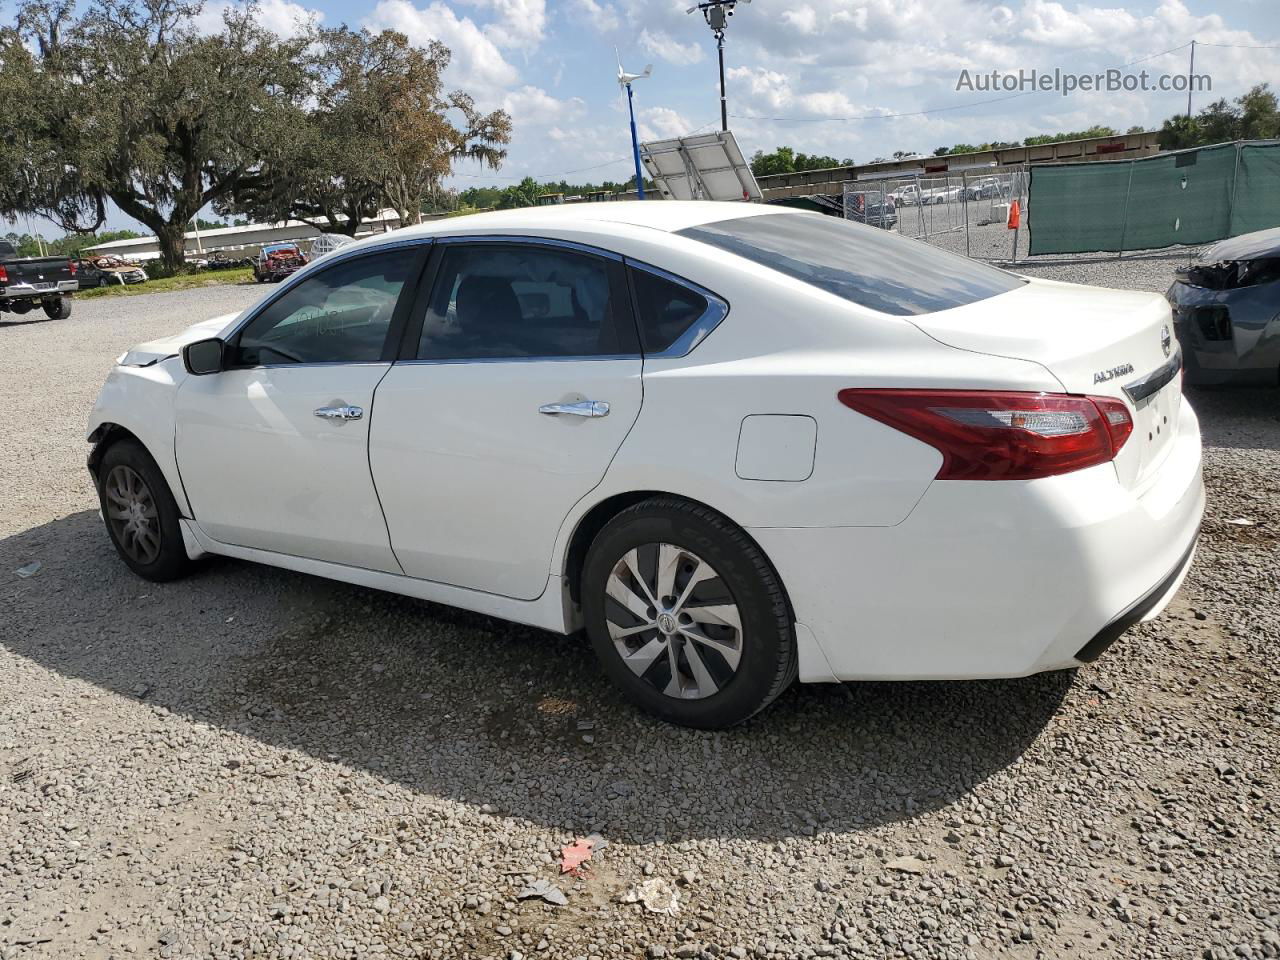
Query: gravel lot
x=253 y=763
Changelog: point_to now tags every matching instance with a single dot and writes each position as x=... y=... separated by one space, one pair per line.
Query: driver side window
x=339 y=315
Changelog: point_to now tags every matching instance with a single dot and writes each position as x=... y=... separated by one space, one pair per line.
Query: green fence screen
x=1191 y=196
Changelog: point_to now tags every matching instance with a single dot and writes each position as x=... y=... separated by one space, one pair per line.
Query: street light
x=625 y=80
x=717 y=14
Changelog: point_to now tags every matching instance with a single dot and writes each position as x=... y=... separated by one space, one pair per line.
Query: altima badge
x=1102 y=376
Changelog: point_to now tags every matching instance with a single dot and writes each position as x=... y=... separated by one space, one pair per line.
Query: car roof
x=665 y=215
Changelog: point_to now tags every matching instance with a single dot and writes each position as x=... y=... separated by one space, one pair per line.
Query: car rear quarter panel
x=787 y=348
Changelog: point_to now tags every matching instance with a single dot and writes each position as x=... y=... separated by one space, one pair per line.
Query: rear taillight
x=4 y=274
x=1002 y=435
x=71 y=265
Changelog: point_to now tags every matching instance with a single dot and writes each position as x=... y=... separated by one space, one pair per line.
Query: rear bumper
x=999 y=579
x=1145 y=608
x=29 y=291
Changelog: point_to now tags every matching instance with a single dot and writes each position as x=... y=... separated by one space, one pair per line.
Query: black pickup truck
x=28 y=282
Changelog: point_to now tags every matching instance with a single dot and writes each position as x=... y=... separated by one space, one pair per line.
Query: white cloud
x=600 y=16
x=772 y=90
x=515 y=23
x=664 y=46
x=804 y=18
x=661 y=123
x=282 y=17
x=533 y=107
x=477 y=62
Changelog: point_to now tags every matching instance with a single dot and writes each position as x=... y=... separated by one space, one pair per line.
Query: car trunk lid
x=1095 y=341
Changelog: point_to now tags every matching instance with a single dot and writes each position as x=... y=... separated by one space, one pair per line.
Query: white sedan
x=737 y=443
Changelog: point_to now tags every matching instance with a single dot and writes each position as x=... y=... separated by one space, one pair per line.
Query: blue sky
x=805 y=65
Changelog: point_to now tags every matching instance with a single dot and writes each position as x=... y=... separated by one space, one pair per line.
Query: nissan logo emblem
x=1166 y=340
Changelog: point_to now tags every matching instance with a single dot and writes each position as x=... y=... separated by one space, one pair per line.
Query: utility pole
x=625 y=80
x=724 y=100
x=1190 y=73
x=717 y=14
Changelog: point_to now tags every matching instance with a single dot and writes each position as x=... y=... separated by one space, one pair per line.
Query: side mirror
x=203 y=357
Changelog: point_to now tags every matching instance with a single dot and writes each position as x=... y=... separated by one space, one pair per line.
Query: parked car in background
x=277 y=261
x=986 y=188
x=943 y=194
x=1226 y=311
x=875 y=210
x=106 y=271
x=736 y=442
x=88 y=275
x=30 y=282
x=908 y=195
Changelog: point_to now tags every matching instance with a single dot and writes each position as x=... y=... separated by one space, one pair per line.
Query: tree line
x=127 y=102
x=1253 y=116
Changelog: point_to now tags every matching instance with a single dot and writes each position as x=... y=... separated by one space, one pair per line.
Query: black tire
x=59 y=309
x=170 y=560
x=765 y=644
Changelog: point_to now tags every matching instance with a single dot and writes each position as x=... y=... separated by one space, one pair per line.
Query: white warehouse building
x=242 y=241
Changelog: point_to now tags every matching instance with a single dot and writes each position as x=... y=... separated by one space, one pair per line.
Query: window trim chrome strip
x=1155 y=381
x=532 y=240
x=564 y=359
x=700 y=329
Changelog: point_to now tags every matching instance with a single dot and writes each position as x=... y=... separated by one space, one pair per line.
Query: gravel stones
x=211 y=769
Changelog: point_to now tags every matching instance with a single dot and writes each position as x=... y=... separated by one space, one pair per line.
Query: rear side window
x=515 y=301
x=666 y=309
x=861 y=264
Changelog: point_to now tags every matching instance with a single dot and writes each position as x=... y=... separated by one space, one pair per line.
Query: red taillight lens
x=1002 y=435
x=71 y=265
x=4 y=274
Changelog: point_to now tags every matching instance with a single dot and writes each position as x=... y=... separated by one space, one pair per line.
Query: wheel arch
x=103 y=436
x=597 y=517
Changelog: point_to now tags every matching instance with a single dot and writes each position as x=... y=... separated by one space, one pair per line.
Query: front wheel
x=140 y=513
x=687 y=615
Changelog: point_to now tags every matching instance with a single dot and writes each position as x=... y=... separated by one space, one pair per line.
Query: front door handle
x=340 y=413
x=583 y=408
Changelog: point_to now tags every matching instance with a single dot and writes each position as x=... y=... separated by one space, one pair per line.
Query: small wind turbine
x=625 y=80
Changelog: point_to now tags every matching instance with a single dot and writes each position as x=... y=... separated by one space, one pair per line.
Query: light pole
x=625 y=80
x=717 y=14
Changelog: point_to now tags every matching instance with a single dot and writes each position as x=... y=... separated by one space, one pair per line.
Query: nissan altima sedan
x=738 y=444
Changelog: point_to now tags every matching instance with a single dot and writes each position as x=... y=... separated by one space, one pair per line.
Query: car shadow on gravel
x=477 y=710
x=1241 y=418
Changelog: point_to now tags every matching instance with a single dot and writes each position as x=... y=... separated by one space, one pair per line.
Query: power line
x=1241 y=46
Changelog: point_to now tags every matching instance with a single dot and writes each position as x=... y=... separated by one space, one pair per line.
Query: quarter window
x=666 y=309
x=340 y=315
x=511 y=301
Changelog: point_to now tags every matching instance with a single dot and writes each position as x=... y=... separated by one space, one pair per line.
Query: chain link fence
x=967 y=212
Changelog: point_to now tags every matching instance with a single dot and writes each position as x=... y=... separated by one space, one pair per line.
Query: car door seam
x=368 y=459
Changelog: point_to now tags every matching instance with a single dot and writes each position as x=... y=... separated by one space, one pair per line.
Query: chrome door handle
x=340 y=413
x=584 y=408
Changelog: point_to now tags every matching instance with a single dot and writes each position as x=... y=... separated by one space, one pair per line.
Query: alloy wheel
x=132 y=513
x=673 y=621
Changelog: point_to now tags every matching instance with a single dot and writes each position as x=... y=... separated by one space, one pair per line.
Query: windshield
x=861 y=264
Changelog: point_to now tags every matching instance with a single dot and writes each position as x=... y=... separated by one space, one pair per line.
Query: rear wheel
x=687 y=615
x=140 y=513
x=59 y=309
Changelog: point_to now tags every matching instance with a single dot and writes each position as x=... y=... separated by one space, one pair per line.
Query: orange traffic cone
x=1015 y=215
